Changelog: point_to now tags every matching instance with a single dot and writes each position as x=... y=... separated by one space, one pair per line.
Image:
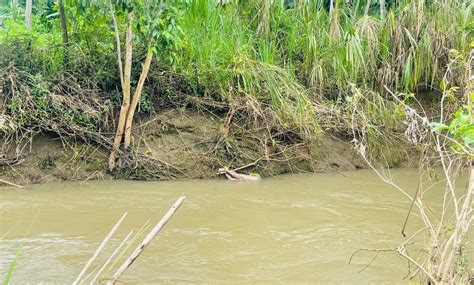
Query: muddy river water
x=288 y=229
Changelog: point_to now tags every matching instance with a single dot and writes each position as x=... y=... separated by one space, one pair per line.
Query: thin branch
x=141 y=247
x=117 y=42
x=111 y=257
x=99 y=249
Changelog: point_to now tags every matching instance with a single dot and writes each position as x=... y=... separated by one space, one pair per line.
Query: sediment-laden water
x=291 y=229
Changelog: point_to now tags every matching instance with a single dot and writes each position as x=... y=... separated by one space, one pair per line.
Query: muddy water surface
x=290 y=229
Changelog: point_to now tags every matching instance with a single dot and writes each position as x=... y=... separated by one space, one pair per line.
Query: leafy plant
x=460 y=128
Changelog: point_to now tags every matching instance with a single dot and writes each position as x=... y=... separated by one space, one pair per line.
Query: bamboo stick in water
x=141 y=247
x=111 y=257
x=99 y=249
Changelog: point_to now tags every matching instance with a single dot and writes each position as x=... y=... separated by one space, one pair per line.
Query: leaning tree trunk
x=127 y=110
x=125 y=93
x=136 y=99
x=28 y=13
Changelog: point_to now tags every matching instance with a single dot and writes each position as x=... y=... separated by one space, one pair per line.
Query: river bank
x=63 y=129
x=265 y=94
x=188 y=144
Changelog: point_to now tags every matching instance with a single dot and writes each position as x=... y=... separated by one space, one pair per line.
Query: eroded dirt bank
x=64 y=129
x=179 y=144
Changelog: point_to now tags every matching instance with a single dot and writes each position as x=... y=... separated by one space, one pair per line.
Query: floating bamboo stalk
x=141 y=247
x=99 y=249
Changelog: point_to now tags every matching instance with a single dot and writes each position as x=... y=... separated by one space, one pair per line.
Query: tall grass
x=405 y=49
x=232 y=61
x=284 y=54
x=288 y=56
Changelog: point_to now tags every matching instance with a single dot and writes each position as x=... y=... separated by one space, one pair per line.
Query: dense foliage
x=294 y=63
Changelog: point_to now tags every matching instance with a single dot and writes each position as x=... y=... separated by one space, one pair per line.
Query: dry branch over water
x=134 y=255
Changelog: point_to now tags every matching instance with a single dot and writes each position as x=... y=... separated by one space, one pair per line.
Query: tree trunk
x=382 y=9
x=125 y=92
x=136 y=99
x=117 y=42
x=62 y=19
x=28 y=13
x=367 y=8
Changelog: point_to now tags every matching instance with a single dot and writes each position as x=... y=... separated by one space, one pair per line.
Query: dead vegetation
x=445 y=160
x=184 y=135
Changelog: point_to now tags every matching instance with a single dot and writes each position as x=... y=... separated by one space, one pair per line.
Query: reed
x=405 y=47
x=11 y=268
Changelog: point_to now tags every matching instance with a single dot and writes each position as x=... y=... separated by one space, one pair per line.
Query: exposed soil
x=189 y=144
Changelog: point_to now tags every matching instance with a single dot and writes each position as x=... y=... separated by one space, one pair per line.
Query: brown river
x=288 y=229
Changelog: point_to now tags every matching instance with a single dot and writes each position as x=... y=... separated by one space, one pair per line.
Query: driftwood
x=234 y=176
x=99 y=249
x=141 y=247
x=11 y=184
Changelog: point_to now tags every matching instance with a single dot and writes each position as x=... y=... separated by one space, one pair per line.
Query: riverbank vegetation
x=244 y=84
x=277 y=75
x=443 y=142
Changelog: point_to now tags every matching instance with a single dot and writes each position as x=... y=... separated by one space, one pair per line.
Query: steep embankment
x=180 y=144
x=63 y=130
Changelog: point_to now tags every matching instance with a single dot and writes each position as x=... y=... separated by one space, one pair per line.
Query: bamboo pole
x=99 y=249
x=63 y=25
x=111 y=257
x=141 y=247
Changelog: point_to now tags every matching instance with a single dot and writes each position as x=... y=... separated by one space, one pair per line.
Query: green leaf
x=442 y=84
x=435 y=126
